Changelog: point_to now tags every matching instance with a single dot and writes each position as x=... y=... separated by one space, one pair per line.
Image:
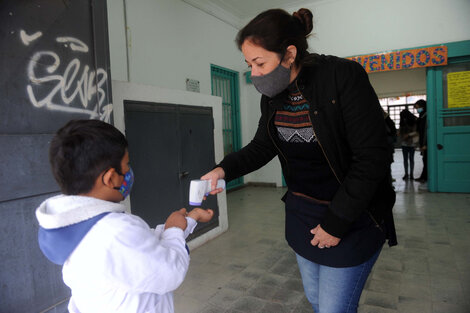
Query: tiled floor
x=250 y=268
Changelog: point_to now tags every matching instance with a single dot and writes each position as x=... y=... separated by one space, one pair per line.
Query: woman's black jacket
x=348 y=122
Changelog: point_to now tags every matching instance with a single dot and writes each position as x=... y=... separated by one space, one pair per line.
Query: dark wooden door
x=169 y=145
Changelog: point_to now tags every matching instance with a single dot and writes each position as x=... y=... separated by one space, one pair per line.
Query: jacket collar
x=65 y=220
x=63 y=210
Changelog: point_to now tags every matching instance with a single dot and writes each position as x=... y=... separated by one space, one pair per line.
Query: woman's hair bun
x=305 y=17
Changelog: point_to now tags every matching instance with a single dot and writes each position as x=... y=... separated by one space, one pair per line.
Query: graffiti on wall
x=73 y=88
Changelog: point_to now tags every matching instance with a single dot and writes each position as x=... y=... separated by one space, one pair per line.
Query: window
x=394 y=105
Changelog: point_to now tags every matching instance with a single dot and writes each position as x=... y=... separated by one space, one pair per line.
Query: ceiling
x=239 y=12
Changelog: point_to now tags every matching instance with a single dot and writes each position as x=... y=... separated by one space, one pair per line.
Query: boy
x=112 y=261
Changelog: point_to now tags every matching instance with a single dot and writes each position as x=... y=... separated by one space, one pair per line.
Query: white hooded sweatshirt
x=112 y=261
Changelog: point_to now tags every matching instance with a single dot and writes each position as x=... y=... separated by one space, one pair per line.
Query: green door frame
x=230 y=94
x=456 y=50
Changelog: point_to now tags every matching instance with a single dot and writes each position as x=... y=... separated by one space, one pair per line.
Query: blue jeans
x=331 y=289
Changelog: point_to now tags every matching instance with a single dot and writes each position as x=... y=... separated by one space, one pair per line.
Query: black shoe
x=405 y=177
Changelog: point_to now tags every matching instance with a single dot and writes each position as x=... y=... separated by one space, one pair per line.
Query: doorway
x=169 y=145
x=224 y=84
x=449 y=121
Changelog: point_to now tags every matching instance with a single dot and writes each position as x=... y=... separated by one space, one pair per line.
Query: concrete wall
x=398 y=83
x=354 y=27
x=169 y=41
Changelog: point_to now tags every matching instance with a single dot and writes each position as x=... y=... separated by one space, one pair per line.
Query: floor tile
x=248 y=304
x=250 y=268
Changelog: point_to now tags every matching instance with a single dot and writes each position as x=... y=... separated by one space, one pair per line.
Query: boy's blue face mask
x=126 y=185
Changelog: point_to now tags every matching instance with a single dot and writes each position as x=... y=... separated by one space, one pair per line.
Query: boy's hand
x=177 y=219
x=201 y=215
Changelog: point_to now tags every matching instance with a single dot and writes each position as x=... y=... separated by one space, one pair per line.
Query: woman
x=321 y=117
x=409 y=139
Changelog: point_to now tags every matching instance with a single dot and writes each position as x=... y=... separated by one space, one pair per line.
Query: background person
x=422 y=122
x=409 y=140
x=321 y=117
x=391 y=138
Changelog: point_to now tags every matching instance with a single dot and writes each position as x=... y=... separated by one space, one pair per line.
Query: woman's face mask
x=420 y=110
x=268 y=74
x=274 y=82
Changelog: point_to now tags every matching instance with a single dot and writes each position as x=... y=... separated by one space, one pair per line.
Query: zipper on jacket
x=323 y=151
x=318 y=140
x=331 y=167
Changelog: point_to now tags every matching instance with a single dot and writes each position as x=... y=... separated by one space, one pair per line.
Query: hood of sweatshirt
x=65 y=220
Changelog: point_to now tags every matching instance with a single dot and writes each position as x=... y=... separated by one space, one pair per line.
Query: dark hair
x=81 y=150
x=275 y=30
x=407 y=120
x=421 y=103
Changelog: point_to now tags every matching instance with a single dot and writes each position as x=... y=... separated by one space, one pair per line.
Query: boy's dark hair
x=81 y=150
x=275 y=30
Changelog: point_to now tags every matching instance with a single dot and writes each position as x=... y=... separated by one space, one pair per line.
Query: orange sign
x=403 y=59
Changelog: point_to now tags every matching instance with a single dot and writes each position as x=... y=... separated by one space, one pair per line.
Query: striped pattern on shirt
x=292 y=121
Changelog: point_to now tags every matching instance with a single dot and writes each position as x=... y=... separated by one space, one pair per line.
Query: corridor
x=250 y=268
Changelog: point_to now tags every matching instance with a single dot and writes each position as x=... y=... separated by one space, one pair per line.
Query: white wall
x=170 y=40
x=271 y=172
x=354 y=27
x=117 y=40
x=398 y=83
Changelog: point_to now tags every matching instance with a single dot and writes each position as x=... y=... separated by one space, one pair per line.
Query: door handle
x=439 y=146
x=183 y=174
